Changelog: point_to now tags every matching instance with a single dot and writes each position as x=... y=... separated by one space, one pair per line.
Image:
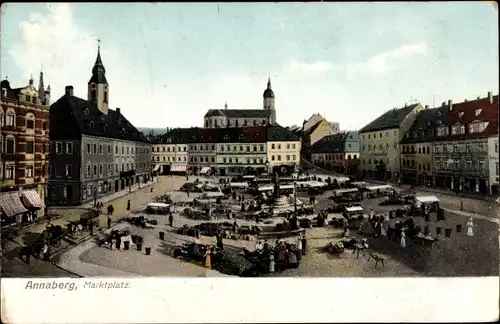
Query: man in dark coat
x=91 y=227
x=304 y=245
x=171 y=220
x=109 y=222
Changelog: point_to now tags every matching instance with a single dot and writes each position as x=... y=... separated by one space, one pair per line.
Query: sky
x=168 y=63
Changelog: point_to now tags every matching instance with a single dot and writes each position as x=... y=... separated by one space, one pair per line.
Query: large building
x=95 y=151
x=227 y=151
x=380 y=151
x=24 y=142
x=417 y=162
x=339 y=152
x=313 y=130
x=222 y=118
x=461 y=150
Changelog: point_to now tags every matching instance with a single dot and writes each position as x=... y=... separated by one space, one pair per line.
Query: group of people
x=282 y=255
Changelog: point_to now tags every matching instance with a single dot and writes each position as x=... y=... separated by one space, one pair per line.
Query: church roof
x=239 y=113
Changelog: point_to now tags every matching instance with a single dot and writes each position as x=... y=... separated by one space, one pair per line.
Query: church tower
x=98 y=90
x=269 y=101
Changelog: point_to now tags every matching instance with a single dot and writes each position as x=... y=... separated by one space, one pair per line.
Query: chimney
x=69 y=91
x=118 y=110
x=426 y=106
x=490 y=97
x=450 y=105
x=465 y=100
x=406 y=104
x=444 y=104
x=478 y=97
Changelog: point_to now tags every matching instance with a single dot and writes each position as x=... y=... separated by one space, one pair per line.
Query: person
x=292 y=259
x=299 y=245
x=91 y=227
x=383 y=227
x=470 y=227
x=109 y=222
x=403 y=238
x=220 y=243
x=113 y=243
x=304 y=245
x=258 y=246
x=208 y=259
x=45 y=251
x=128 y=204
x=271 y=263
x=347 y=232
x=171 y=220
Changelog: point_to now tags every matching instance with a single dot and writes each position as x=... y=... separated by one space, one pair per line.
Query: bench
x=377 y=257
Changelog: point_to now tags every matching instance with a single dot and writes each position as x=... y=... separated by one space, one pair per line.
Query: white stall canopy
x=354 y=209
x=382 y=187
x=426 y=199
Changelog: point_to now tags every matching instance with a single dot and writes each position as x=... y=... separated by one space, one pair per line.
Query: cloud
x=379 y=64
x=316 y=67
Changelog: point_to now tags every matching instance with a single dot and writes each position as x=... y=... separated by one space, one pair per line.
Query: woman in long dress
x=208 y=258
x=383 y=228
x=403 y=238
x=271 y=262
x=470 y=227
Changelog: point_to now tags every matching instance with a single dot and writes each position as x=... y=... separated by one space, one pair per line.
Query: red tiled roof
x=467 y=110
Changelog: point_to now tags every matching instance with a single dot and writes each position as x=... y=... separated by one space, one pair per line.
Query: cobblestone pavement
x=319 y=263
x=459 y=255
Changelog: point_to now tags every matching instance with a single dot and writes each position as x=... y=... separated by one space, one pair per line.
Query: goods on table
x=233 y=264
x=335 y=247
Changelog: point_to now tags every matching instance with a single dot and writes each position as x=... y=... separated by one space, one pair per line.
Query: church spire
x=269 y=81
x=41 y=87
x=98 y=71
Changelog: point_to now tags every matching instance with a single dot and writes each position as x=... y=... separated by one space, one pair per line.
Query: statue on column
x=276 y=185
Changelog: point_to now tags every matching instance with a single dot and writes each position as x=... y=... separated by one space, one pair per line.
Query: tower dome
x=268 y=93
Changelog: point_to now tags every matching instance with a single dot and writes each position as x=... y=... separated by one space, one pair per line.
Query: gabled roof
x=258 y=134
x=465 y=113
x=239 y=113
x=424 y=127
x=10 y=92
x=390 y=119
x=73 y=116
x=334 y=143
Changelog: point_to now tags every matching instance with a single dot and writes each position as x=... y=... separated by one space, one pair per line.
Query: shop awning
x=32 y=199
x=156 y=168
x=205 y=170
x=178 y=168
x=11 y=204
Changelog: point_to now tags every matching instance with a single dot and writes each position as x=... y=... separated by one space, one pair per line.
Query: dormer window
x=4 y=92
x=478 y=111
x=477 y=127
x=442 y=131
x=86 y=112
x=242 y=137
x=458 y=129
x=28 y=98
x=460 y=114
x=91 y=125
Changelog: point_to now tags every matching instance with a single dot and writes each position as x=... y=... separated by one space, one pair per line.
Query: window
x=272 y=158
x=68 y=170
x=30 y=124
x=69 y=148
x=95 y=148
x=58 y=147
x=9 y=172
x=496 y=147
x=481 y=165
x=272 y=146
x=10 y=120
x=100 y=169
x=458 y=129
x=30 y=147
x=29 y=171
x=497 y=170
x=279 y=157
x=88 y=170
x=109 y=149
x=67 y=192
x=442 y=131
x=478 y=111
x=95 y=170
x=100 y=149
x=9 y=146
x=88 y=148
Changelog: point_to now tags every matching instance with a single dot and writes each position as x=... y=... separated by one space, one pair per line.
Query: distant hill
x=156 y=131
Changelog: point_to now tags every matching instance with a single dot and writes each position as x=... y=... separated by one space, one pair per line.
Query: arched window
x=10 y=117
x=2 y=117
x=30 y=121
x=93 y=95
x=105 y=97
